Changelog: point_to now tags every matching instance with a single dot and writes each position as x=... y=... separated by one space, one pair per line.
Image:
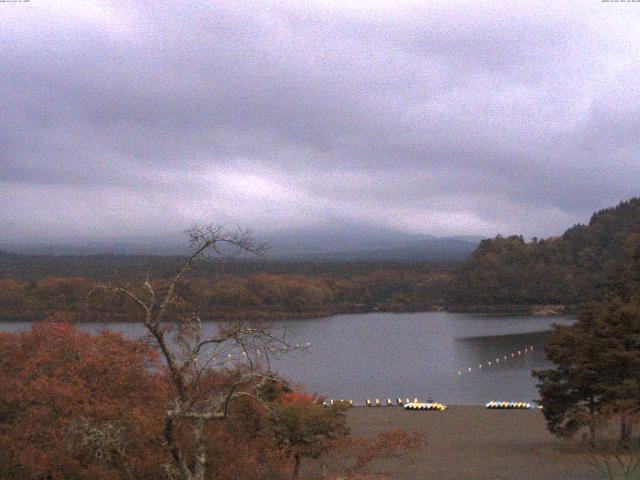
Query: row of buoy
x=508 y=405
x=378 y=403
x=502 y=358
x=416 y=405
x=373 y=403
x=332 y=402
x=425 y=406
x=399 y=402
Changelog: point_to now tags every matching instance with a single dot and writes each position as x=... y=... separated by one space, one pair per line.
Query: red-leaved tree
x=75 y=405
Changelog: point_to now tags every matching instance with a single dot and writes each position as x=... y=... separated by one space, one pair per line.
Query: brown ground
x=472 y=443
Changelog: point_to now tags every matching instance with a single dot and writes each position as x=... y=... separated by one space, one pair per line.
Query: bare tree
x=614 y=462
x=194 y=357
x=617 y=459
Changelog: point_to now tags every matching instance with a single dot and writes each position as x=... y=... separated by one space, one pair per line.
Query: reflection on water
x=380 y=355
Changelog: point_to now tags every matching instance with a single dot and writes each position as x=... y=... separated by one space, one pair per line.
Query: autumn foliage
x=79 y=406
x=256 y=296
x=73 y=405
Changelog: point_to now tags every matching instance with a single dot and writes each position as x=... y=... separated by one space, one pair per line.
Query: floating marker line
x=505 y=357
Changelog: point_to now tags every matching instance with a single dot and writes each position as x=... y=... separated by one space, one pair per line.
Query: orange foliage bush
x=12 y=293
x=73 y=405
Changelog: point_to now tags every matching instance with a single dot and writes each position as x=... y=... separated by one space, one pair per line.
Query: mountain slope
x=570 y=269
x=433 y=250
x=339 y=242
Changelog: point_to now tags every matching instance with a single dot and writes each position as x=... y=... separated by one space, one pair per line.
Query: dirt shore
x=472 y=443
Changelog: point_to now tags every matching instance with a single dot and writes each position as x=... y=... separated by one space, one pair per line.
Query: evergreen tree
x=570 y=392
x=598 y=358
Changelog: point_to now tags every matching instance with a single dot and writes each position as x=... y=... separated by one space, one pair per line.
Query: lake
x=389 y=355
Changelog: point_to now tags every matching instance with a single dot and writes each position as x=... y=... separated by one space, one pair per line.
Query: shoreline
x=515 y=310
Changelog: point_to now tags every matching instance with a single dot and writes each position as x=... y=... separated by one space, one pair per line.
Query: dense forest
x=248 y=296
x=568 y=270
x=505 y=273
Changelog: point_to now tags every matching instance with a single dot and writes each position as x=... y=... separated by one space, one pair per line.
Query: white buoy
x=489 y=363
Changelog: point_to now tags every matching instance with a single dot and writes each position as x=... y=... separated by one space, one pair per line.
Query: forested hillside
x=261 y=295
x=569 y=269
x=505 y=271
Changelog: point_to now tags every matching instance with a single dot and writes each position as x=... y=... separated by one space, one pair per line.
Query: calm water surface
x=380 y=355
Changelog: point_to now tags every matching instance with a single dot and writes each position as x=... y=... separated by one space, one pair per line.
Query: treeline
x=115 y=267
x=255 y=296
x=570 y=269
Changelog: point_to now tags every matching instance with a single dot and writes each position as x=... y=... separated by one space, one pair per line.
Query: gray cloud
x=124 y=119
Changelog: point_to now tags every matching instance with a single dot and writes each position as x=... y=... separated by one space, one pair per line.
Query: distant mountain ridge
x=369 y=244
x=339 y=243
x=435 y=250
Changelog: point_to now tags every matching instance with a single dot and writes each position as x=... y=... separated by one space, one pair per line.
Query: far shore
x=275 y=315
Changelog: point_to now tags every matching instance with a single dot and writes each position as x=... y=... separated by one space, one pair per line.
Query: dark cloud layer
x=125 y=119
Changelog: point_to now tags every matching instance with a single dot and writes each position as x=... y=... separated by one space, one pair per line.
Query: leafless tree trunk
x=614 y=462
x=190 y=355
x=296 y=467
x=593 y=419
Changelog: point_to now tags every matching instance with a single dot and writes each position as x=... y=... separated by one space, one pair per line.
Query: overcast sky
x=127 y=119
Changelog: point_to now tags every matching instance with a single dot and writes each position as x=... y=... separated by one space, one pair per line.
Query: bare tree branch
x=199 y=400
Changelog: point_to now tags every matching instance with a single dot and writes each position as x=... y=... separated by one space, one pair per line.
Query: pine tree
x=570 y=392
x=597 y=359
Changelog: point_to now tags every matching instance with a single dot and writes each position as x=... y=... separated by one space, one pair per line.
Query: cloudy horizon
x=137 y=119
